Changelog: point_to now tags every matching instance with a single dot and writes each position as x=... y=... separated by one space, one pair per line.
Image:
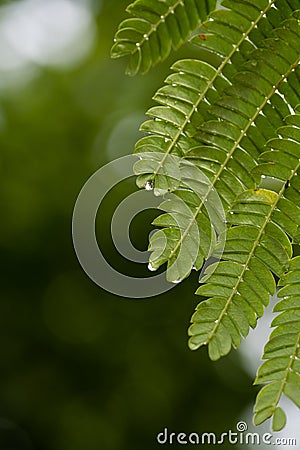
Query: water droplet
x=216 y=321
x=149 y=185
x=137 y=44
x=146 y=37
x=151 y=268
x=159 y=192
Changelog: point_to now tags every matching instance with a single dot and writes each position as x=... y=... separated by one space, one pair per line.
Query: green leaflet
x=247 y=121
x=281 y=369
x=195 y=85
x=156 y=27
x=279 y=419
x=227 y=154
x=188 y=236
x=166 y=167
x=240 y=286
x=164 y=244
x=281 y=162
x=256 y=245
x=238 y=297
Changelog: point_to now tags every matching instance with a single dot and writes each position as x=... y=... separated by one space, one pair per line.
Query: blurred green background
x=82 y=369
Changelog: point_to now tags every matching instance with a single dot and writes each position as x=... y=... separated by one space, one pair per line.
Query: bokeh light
x=37 y=33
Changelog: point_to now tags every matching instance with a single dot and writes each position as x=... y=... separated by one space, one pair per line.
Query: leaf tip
x=279 y=419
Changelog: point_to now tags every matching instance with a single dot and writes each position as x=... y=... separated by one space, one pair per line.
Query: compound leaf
x=281 y=369
x=157 y=26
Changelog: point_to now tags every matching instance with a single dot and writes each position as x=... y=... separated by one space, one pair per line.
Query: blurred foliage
x=80 y=368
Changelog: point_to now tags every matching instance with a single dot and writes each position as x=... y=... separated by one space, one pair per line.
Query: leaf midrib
x=218 y=72
x=155 y=26
x=290 y=365
x=251 y=253
x=284 y=380
x=229 y=154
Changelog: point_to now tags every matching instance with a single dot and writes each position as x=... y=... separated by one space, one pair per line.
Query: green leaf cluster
x=226 y=125
x=156 y=27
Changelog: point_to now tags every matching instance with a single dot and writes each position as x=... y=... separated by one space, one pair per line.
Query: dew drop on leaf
x=149 y=186
x=151 y=268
